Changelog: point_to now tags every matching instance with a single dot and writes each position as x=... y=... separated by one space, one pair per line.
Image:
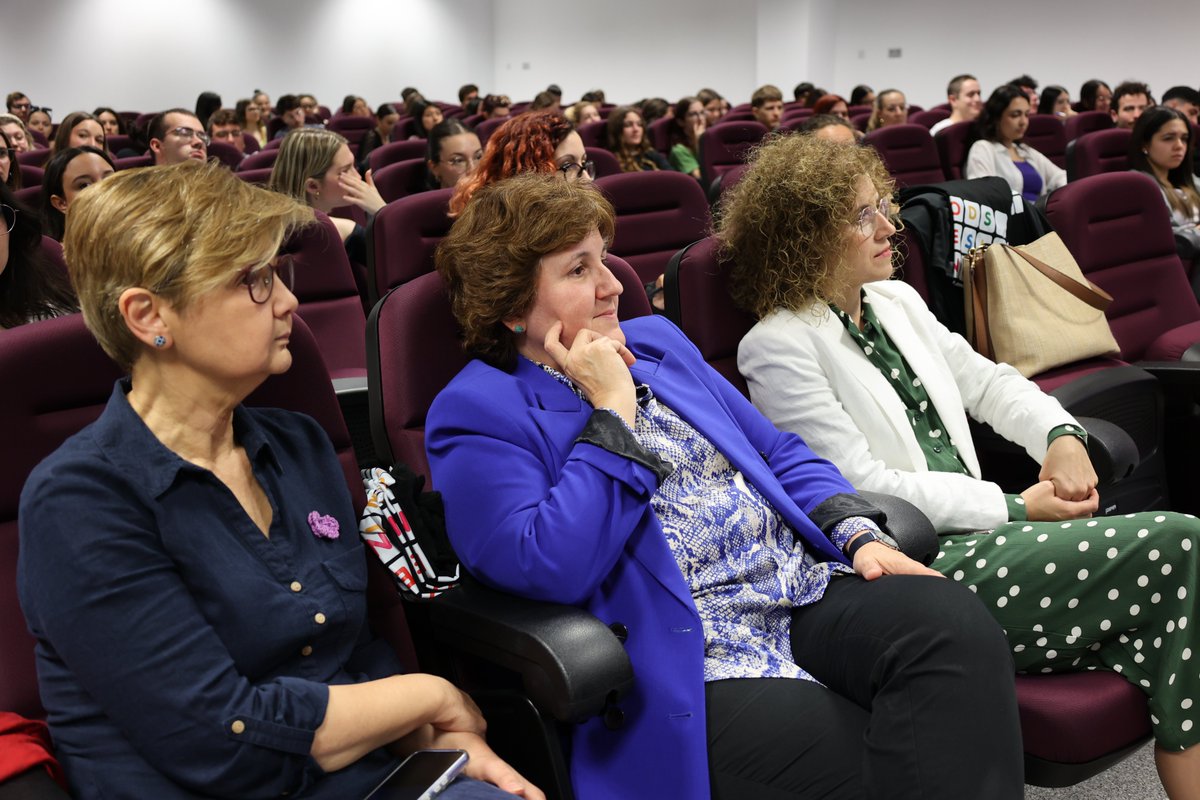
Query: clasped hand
x=599 y=366
x=1066 y=487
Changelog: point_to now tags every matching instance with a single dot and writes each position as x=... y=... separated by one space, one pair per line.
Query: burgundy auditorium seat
x=34 y=158
x=273 y=144
x=227 y=154
x=117 y=142
x=133 y=162
x=401 y=179
x=353 y=128
x=724 y=146
x=909 y=154
x=486 y=128
x=606 y=162
x=252 y=145
x=951 y=143
x=657 y=213
x=1099 y=152
x=1047 y=135
x=259 y=177
x=737 y=114
x=927 y=119
x=28 y=195
x=658 y=131
x=1086 y=122
x=394 y=152
x=30 y=175
x=796 y=115
x=724 y=182
x=592 y=133
x=402 y=238
x=260 y=160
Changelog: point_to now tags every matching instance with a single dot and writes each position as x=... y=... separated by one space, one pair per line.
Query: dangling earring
x=160 y=341
x=518 y=328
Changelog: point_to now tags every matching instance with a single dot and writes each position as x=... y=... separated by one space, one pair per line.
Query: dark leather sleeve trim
x=606 y=430
x=834 y=509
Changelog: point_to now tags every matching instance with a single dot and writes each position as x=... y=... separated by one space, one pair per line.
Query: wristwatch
x=866 y=537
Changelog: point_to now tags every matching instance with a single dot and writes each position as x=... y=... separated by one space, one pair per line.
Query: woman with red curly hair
x=532 y=142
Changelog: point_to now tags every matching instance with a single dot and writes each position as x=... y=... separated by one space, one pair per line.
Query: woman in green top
x=687 y=123
x=858 y=366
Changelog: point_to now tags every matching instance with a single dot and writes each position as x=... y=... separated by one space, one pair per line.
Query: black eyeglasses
x=572 y=171
x=46 y=109
x=260 y=282
x=10 y=217
x=184 y=132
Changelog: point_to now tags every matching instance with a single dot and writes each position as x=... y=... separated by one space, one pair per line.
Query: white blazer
x=986 y=159
x=807 y=375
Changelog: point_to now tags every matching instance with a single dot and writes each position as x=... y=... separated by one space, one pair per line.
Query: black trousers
x=917 y=702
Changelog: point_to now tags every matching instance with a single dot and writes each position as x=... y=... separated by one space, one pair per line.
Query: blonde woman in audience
x=625 y=137
x=18 y=137
x=79 y=129
x=10 y=171
x=1000 y=151
x=582 y=113
x=859 y=367
x=890 y=108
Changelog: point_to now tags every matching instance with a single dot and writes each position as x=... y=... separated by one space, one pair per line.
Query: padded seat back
x=657 y=213
x=951 y=142
x=724 y=146
x=1098 y=152
x=260 y=160
x=927 y=119
x=226 y=153
x=353 y=128
x=401 y=179
x=485 y=129
x=592 y=133
x=659 y=131
x=606 y=162
x=402 y=238
x=909 y=154
x=1086 y=122
x=395 y=152
x=1047 y=135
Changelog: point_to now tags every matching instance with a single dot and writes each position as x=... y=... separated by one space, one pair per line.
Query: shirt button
x=306 y=650
x=296 y=586
x=319 y=618
x=937 y=449
x=238 y=726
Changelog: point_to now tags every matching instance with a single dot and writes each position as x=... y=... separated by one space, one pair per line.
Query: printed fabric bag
x=406 y=528
x=1031 y=307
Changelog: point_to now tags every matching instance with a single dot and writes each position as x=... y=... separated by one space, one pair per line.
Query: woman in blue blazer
x=606 y=465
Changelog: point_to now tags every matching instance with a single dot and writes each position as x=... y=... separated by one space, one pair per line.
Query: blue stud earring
x=518 y=328
x=160 y=341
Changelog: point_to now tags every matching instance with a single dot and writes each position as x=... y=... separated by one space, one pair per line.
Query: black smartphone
x=421 y=776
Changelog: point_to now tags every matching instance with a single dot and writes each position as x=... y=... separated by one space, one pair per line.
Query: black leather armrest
x=908 y=525
x=1112 y=451
x=570 y=663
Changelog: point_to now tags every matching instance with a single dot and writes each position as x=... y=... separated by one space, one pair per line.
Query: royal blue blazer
x=533 y=512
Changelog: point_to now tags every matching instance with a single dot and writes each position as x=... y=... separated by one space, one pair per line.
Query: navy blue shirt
x=181 y=653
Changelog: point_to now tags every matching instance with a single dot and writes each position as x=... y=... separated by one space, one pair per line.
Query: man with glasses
x=223 y=126
x=177 y=135
x=18 y=105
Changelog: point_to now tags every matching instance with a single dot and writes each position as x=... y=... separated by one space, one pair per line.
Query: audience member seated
x=223 y=126
x=69 y=172
x=827 y=126
x=653 y=108
x=767 y=106
x=40 y=122
x=288 y=109
x=999 y=150
x=454 y=152
x=858 y=366
x=110 y=121
x=385 y=122
x=582 y=113
x=1030 y=88
x=1183 y=99
x=236 y=663
x=10 y=173
x=408 y=92
x=467 y=92
x=1161 y=147
x=687 y=123
x=316 y=167
x=206 y=104
x=966 y=101
x=18 y=104
x=715 y=543
x=715 y=106
x=250 y=117
x=176 y=135
x=1095 y=95
x=537 y=142
x=862 y=95
x=29 y=288
x=890 y=108
x=79 y=129
x=1129 y=100
x=263 y=101
x=310 y=106
x=625 y=137
x=832 y=104
x=355 y=106
x=804 y=93
x=18 y=137
x=545 y=101
x=495 y=105
x=1055 y=100
x=427 y=115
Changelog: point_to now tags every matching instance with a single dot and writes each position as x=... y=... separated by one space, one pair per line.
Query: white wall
x=72 y=54
x=77 y=54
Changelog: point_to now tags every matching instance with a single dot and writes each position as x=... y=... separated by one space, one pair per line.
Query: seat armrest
x=1112 y=451
x=1183 y=374
x=1191 y=355
x=908 y=525
x=571 y=664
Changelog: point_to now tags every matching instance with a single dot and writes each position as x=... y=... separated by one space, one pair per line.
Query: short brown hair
x=223 y=116
x=180 y=231
x=785 y=223
x=765 y=94
x=491 y=257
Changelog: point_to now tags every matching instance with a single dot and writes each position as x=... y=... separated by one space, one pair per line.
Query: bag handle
x=1093 y=295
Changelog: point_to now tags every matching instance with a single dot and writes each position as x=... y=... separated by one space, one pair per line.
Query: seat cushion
x=1079 y=717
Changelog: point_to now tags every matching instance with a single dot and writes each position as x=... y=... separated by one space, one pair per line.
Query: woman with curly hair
x=541 y=141
x=859 y=367
x=625 y=137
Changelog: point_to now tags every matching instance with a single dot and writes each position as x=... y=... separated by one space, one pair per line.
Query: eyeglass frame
x=281 y=267
x=587 y=165
x=4 y=213
x=184 y=132
x=866 y=222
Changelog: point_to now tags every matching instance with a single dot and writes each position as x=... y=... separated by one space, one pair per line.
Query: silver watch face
x=888 y=540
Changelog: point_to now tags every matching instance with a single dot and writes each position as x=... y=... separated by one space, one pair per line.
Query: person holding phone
x=191 y=567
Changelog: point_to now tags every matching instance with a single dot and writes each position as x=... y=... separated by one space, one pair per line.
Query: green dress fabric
x=1115 y=593
x=683 y=159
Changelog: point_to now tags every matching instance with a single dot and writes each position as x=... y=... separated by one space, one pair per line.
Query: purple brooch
x=323 y=526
